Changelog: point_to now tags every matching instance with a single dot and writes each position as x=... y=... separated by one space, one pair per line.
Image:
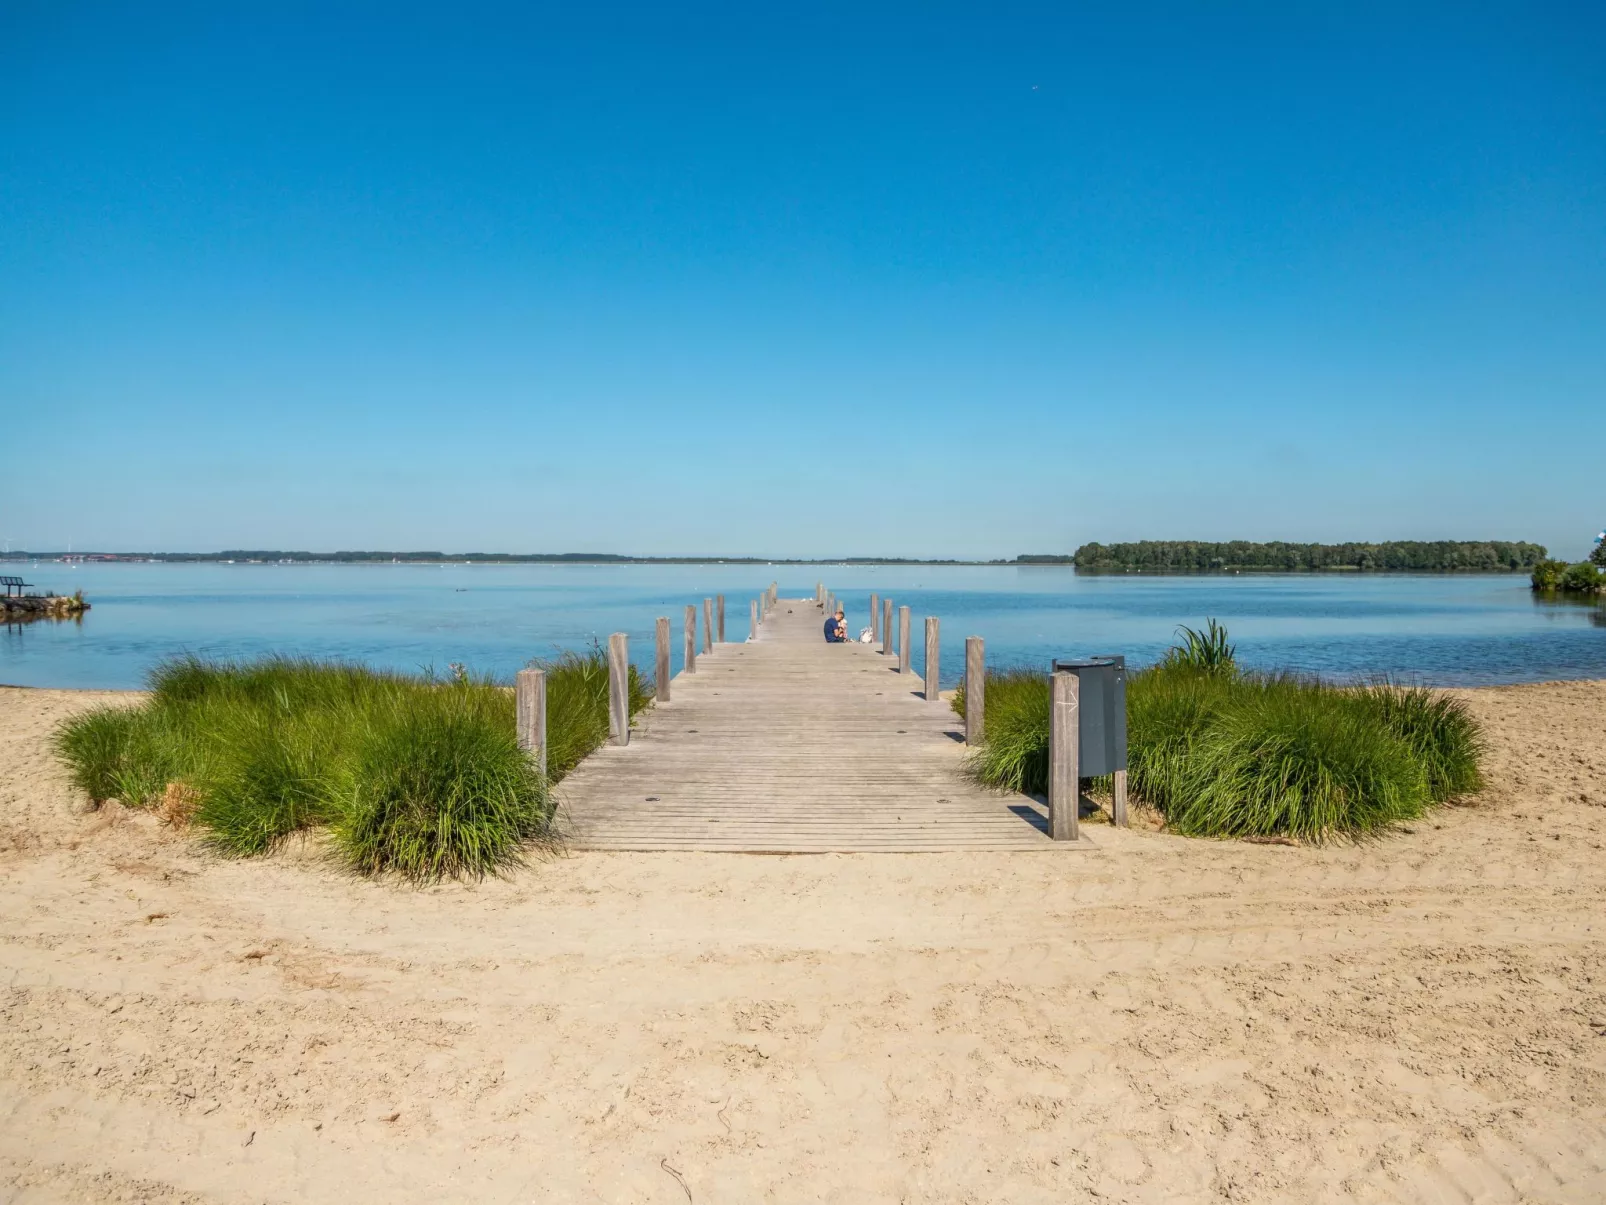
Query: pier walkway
x=786 y=744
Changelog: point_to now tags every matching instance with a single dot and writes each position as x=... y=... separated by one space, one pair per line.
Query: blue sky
x=931 y=280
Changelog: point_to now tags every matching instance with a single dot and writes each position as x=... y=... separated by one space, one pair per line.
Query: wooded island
x=1199 y=556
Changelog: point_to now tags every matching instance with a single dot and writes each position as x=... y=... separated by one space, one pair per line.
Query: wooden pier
x=788 y=744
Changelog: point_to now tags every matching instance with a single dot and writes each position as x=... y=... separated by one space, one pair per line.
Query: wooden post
x=691 y=640
x=530 y=692
x=1064 y=728
x=975 y=689
x=660 y=665
x=886 y=627
x=708 y=625
x=719 y=612
x=903 y=640
x=1118 y=806
x=619 y=688
x=933 y=659
x=875 y=618
x=752 y=619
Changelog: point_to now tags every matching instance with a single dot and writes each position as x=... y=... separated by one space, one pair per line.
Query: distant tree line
x=1199 y=556
x=347 y=557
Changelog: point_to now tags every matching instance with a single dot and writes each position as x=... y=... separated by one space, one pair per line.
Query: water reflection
x=21 y=619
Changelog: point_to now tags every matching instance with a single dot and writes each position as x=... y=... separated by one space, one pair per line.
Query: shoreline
x=1390 y=1020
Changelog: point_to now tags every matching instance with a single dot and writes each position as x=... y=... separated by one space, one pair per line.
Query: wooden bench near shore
x=783 y=743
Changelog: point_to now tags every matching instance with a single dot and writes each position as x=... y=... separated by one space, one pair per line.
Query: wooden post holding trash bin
x=530 y=703
x=1064 y=730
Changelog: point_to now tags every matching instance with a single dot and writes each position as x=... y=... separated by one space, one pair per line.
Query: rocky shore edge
x=42 y=606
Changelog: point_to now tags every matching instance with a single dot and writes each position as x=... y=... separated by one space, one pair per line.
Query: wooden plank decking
x=787 y=744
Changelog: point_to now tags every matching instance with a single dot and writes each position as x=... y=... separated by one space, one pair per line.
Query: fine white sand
x=1418 y=1019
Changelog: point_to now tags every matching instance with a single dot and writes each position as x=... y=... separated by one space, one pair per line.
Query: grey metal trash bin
x=1102 y=719
x=1086 y=737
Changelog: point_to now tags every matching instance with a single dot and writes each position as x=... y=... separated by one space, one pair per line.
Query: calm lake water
x=1438 y=629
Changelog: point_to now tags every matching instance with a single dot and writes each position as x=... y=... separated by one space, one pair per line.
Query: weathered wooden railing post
x=886 y=627
x=933 y=658
x=660 y=664
x=530 y=695
x=719 y=611
x=691 y=640
x=1064 y=729
x=975 y=689
x=752 y=619
x=619 y=688
x=903 y=640
x=708 y=625
x=875 y=618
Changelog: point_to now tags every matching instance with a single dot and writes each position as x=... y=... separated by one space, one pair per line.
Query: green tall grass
x=1014 y=751
x=1220 y=753
x=412 y=775
x=1290 y=756
x=1203 y=649
x=577 y=691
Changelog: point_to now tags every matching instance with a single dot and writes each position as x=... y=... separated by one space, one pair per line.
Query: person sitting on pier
x=836 y=628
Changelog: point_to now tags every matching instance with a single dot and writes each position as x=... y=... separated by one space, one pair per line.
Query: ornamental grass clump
x=1014 y=751
x=119 y=753
x=437 y=787
x=577 y=690
x=411 y=775
x=1203 y=650
x=1221 y=753
x=1441 y=732
x=1295 y=757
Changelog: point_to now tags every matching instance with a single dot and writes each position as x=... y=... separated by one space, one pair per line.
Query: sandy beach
x=1418 y=1019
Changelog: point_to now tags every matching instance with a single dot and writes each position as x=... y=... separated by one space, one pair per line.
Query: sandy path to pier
x=1423 y=1019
